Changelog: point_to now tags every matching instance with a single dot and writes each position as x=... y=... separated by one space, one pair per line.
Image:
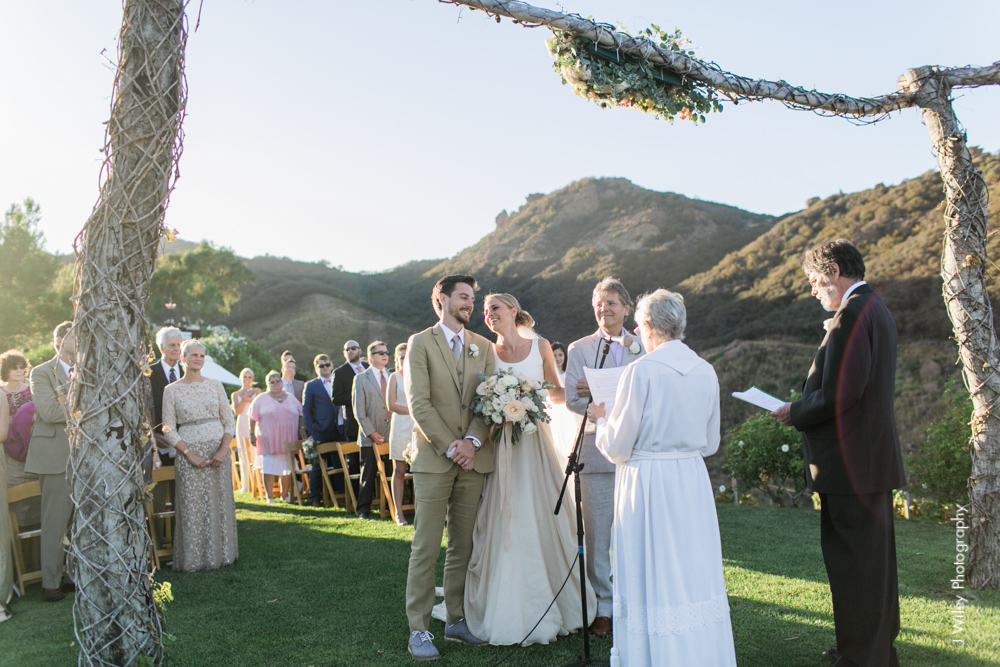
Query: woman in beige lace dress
x=198 y=422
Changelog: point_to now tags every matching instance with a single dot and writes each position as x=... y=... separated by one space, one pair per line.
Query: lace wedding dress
x=521 y=551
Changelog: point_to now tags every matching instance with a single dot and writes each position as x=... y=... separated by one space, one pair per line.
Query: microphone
x=624 y=341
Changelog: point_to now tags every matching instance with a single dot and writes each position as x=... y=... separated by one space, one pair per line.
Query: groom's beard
x=462 y=315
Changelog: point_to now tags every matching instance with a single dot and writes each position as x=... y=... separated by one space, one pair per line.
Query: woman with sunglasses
x=277 y=418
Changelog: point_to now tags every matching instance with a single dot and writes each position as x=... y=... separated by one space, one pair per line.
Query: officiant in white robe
x=670 y=603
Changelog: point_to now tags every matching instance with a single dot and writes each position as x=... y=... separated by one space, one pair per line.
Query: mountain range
x=740 y=274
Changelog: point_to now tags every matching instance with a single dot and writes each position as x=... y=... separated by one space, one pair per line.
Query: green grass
x=316 y=587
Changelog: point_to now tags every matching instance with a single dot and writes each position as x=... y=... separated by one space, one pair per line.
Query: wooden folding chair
x=329 y=496
x=386 y=483
x=162 y=548
x=297 y=464
x=234 y=464
x=15 y=494
x=343 y=449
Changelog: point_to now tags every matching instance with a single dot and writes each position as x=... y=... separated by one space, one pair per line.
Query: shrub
x=942 y=466
x=765 y=454
x=234 y=352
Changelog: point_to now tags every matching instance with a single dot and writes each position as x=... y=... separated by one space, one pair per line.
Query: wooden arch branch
x=963 y=256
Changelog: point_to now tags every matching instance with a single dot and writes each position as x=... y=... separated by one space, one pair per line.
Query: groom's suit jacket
x=439 y=391
x=850 y=443
x=586 y=352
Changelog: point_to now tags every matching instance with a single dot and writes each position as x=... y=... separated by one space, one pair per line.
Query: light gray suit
x=597 y=479
x=373 y=417
x=48 y=456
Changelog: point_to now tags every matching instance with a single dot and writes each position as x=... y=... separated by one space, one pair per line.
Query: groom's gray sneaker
x=421 y=647
x=459 y=632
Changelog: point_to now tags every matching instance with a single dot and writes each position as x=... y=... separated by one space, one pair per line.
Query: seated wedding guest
x=368 y=397
x=198 y=424
x=6 y=554
x=670 y=598
x=241 y=400
x=277 y=418
x=288 y=379
x=400 y=430
x=559 y=352
x=320 y=417
x=48 y=457
x=14 y=370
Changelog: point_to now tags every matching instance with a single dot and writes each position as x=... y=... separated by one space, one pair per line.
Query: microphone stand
x=573 y=467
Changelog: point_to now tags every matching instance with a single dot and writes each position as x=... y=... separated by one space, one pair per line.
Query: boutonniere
x=827 y=323
x=473 y=350
x=634 y=348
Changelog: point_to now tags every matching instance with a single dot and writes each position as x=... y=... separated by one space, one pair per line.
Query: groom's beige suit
x=439 y=390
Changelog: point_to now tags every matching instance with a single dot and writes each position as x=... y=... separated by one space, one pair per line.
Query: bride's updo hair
x=523 y=317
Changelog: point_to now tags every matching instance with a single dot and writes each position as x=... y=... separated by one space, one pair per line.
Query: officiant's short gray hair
x=664 y=312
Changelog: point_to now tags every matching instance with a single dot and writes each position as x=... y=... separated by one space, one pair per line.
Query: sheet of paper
x=755 y=396
x=604 y=384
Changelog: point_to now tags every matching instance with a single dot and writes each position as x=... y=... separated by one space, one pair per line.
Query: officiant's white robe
x=670 y=604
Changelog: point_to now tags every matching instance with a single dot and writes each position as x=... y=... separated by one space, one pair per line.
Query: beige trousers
x=57 y=512
x=454 y=496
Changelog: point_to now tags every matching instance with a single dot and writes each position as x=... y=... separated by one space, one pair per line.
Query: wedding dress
x=521 y=551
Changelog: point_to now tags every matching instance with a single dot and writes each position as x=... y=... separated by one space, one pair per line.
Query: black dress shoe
x=362 y=515
x=52 y=595
x=833 y=654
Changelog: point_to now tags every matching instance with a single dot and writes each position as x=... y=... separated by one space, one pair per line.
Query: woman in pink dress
x=16 y=390
x=277 y=418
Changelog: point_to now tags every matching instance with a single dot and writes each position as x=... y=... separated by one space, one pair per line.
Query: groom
x=450 y=452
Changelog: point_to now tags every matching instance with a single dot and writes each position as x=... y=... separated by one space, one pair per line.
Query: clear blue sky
x=372 y=133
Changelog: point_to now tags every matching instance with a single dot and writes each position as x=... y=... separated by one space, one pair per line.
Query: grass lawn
x=316 y=587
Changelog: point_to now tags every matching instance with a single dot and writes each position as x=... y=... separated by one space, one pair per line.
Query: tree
x=202 y=283
x=116 y=617
x=963 y=260
x=26 y=273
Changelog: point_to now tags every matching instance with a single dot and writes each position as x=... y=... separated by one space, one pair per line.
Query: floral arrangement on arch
x=504 y=397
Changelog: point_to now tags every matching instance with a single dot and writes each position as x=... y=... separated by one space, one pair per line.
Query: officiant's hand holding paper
x=784 y=414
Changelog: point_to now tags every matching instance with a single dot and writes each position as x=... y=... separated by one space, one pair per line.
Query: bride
x=521 y=551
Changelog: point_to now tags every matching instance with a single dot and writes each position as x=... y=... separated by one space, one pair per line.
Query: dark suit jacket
x=850 y=443
x=343 y=381
x=319 y=413
x=158 y=381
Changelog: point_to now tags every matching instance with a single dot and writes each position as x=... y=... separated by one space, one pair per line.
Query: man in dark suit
x=852 y=456
x=343 y=381
x=164 y=371
x=320 y=417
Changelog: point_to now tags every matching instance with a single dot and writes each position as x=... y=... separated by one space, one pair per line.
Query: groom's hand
x=464 y=454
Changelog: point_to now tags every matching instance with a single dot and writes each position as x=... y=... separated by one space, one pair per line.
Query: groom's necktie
x=456 y=347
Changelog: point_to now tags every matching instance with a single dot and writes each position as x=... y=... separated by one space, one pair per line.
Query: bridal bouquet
x=506 y=397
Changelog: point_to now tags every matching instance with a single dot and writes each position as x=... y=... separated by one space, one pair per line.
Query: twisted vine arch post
x=116 y=619
x=963 y=259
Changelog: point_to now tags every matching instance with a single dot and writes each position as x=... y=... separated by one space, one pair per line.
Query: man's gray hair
x=664 y=312
x=166 y=332
x=609 y=284
x=192 y=342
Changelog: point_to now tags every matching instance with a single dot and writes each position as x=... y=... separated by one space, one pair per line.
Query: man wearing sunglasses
x=368 y=397
x=343 y=380
x=320 y=417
